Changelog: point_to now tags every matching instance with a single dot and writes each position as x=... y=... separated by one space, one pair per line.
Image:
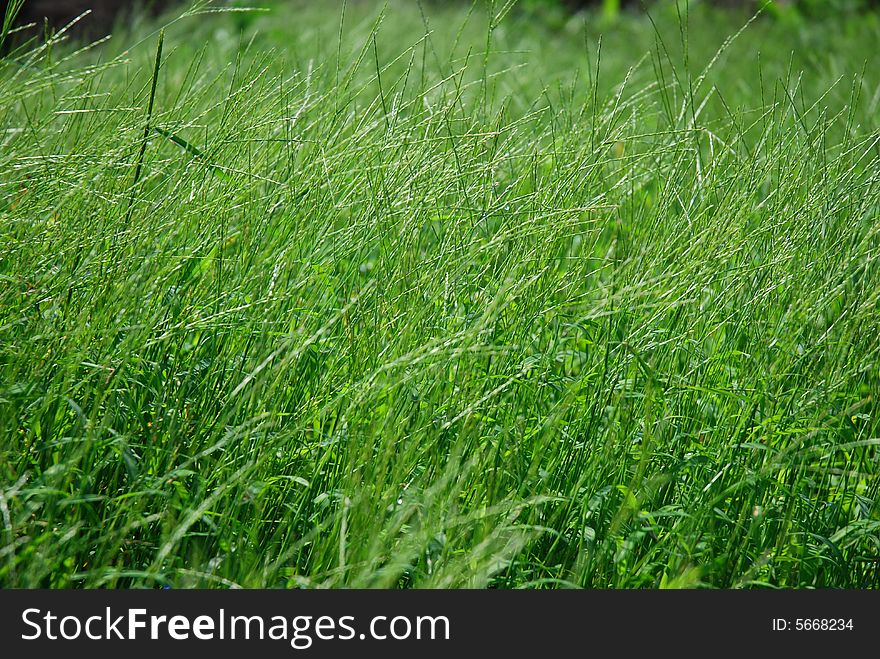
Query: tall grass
x=339 y=295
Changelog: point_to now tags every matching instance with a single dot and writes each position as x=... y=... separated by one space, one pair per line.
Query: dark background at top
x=58 y=13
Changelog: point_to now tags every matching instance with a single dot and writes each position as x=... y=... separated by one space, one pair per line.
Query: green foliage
x=611 y=9
x=444 y=299
x=7 y=20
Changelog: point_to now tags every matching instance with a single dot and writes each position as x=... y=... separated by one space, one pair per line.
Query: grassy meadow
x=442 y=295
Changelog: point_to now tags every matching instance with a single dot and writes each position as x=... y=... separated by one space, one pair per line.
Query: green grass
x=406 y=299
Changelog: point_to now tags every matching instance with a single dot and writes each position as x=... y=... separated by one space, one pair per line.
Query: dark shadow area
x=53 y=15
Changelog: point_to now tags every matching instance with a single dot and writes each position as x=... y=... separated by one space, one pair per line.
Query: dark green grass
x=403 y=298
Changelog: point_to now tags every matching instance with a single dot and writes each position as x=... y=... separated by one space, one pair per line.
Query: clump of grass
x=426 y=298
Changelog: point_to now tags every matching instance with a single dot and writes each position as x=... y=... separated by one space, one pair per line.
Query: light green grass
x=418 y=299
